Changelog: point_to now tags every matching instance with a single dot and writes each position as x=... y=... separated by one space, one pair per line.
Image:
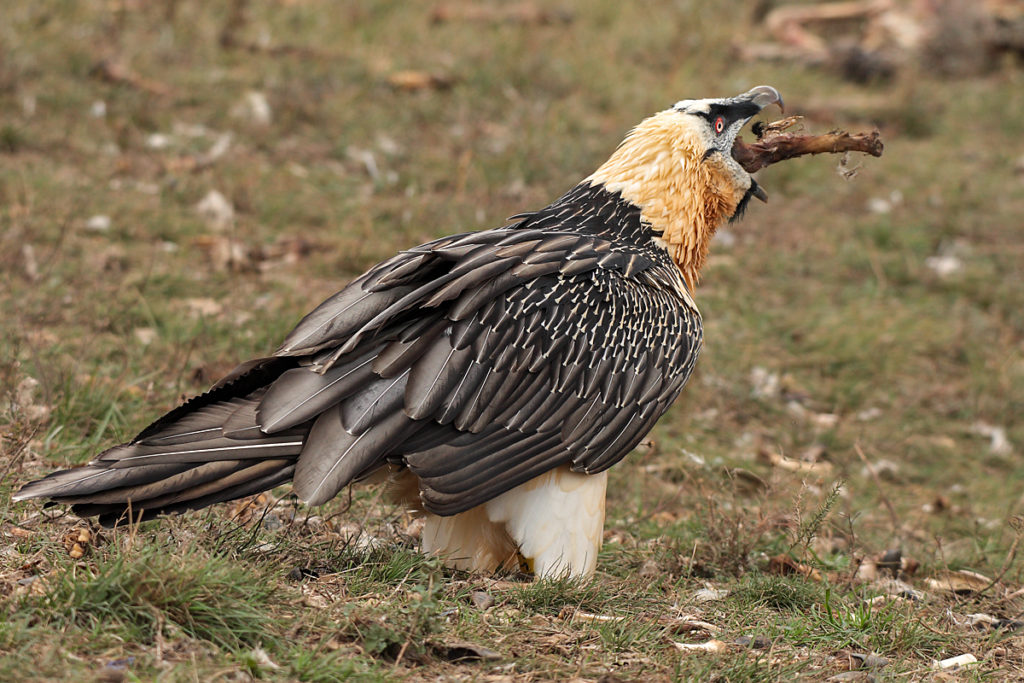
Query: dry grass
x=831 y=337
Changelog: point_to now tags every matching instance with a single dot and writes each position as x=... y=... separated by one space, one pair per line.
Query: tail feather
x=194 y=476
x=120 y=513
x=89 y=480
x=240 y=478
x=217 y=448
x=209 y=450
x=195 y=427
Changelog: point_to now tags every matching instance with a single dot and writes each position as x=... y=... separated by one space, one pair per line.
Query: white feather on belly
x=556 y=521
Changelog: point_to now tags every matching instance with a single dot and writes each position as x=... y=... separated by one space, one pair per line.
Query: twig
x=1011 y=555
x=878 y=484
x=19 y=453
x=116 y=72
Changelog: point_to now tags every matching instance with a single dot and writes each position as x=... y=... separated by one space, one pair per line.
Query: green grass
x=139 y=594
x=103 y=330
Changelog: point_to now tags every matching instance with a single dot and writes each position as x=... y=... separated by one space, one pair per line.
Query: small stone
x=890 y=561
x=253 y=108
x=874 y=662
x=869 y=414
x=852 y=677
x=98 y=223
x=158 y=141
x=29 y=261
x=460 y=651
x=764 y=384
x=261 y=657
x=757 y=642
x=958 y=662
x=121 y=663
x=879 y=205
x=709 y=594
x=649 y=570
x=886 y=470
x=944 y=266
x=145 y=335
x=303 y=573
x=482 y=600
x=999 y=444
x=216 y=210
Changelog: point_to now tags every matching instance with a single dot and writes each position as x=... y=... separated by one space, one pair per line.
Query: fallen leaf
x=228 y=254
x=572 y=615
x=411 y=80
x=746 y=482
x=790 y=465
x=261 y=657
x=715 y=646
x=689 y=624
x=987 y=622
x=783 y=565
x=962 y=582
x=316 y=601
x=894 y=587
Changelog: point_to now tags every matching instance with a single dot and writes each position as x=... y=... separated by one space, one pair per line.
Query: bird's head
x=677 y=166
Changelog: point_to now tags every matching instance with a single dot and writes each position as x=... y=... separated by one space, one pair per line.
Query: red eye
x=719 y=125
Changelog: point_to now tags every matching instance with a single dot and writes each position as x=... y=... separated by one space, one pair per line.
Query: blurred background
x=181 y=181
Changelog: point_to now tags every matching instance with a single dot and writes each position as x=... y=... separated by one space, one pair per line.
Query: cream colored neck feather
x=659 y=167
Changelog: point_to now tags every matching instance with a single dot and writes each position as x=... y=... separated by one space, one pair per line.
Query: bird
x=490 y=377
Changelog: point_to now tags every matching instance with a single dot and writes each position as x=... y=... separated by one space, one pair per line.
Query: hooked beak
x=762 y=96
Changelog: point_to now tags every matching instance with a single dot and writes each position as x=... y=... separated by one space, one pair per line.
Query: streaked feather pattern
x=477 y=361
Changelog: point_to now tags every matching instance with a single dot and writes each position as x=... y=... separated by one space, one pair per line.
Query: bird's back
x=477 y=361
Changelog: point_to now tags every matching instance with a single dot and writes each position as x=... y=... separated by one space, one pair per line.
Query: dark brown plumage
x=478 y=361
x=475 y=362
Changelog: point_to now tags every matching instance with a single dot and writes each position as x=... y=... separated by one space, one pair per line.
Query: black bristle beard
x=742 y=206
